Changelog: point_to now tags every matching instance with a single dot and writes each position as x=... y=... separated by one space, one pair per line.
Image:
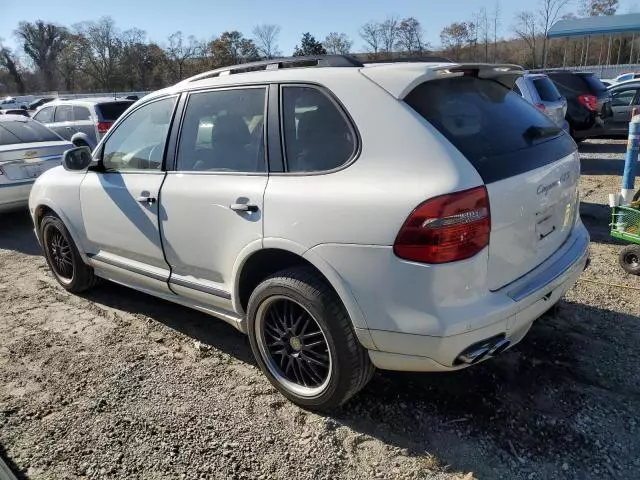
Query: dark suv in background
x=82 y=121
x=588 y=102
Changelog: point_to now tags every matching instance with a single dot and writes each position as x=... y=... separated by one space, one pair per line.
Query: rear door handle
x=243 y=207
x=149 y=200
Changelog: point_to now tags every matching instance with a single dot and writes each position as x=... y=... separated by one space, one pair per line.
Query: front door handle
x=148 y=200
x=243 y=207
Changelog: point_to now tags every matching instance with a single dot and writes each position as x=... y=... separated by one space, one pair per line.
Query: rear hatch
x=27 y=149
x=586 y=89
x=598 y=90
x=529 y=165
x=552 y=103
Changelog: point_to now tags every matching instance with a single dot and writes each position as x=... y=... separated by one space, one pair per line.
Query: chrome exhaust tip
x=487 y=348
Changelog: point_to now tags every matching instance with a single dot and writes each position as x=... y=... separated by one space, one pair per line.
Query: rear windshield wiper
x=534 y=133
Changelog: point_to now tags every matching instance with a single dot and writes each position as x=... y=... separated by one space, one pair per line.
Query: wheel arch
x=45 y=207
x=278 y=254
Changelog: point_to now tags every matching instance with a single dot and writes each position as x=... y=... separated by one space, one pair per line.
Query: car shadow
x=601 y=166
x=523 y=404
x=597 y=217
x=16 y=233
x=604 y=147
x=196 y=325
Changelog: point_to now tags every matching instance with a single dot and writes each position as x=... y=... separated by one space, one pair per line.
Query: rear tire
x=302 y=339
x=630 y=259
x=63 y=257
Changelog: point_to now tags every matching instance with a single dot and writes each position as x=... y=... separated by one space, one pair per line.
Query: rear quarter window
x=110 y=112
x=499 y=133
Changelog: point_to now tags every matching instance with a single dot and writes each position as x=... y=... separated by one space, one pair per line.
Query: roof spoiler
x=399 y=80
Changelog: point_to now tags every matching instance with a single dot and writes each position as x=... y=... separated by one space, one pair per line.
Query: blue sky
x=207 y=19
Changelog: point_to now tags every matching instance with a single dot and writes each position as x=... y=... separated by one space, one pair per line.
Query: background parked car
x=626 y=76
x=15 y=111
x=588 y=102
x=39 y=102
x=539 y=90
x=82 y=121
x=624 y=97
x=11 y=103
x=27 y=148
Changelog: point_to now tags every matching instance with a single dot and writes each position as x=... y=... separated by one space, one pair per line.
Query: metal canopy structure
x=607 y=25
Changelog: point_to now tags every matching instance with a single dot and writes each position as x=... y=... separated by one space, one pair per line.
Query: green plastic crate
x=625 y=224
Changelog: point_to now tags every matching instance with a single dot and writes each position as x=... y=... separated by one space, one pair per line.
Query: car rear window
x=500 y=133
x=594 y=84
x=25 y=132
x=112 y=110
x=546 y=89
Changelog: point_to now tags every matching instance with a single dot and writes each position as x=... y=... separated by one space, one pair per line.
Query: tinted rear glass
x=594 y=83
x=110 y=112
x=25 y=132
x=500 y=133
x=573 y=84
x=546 y=89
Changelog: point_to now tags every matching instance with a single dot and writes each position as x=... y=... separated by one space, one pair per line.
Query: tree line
x=99 y=56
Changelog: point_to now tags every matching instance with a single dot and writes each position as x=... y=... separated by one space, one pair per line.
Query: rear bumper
x=421 y=317
x=533 y=295
x=14 y=196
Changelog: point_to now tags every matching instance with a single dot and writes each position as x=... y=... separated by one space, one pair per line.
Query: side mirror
x=77 y=159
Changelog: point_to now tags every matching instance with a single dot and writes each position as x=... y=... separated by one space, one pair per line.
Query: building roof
x=580 y=27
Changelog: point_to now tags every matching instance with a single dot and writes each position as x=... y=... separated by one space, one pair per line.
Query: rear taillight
x=446 y=228
x=103 y=127
x=541 y=107
x=589 y=101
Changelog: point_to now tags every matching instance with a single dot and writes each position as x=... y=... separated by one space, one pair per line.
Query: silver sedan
x=27 y=148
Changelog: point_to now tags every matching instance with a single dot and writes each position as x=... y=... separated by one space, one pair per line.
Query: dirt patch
x=117 y=384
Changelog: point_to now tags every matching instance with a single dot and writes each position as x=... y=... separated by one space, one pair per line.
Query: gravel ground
x=116 y=384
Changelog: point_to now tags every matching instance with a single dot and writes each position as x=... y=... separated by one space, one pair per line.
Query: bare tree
x=526 y=29
x=102 y=49
x=265 y=37
x=484 y=31
x=71 y=61
x=496 y=25
x=9 y=61
x=43 y=42
x=548 y=13
x=371 y=33
x=337 y=43
x=411 y=37
x=454 y=38
x=179 y=51
x=389 y=33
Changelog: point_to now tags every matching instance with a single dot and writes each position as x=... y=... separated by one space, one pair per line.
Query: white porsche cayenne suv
x=405 y=216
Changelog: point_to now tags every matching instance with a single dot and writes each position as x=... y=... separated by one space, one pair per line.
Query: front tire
x=63 y=257
x=302 y=339
x=630 y=259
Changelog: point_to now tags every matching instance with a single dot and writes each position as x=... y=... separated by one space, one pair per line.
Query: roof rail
x=422 y=59
x=278 y=63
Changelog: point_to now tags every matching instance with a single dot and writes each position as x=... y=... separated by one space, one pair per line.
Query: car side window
x=64 y=113
x=317 y=136
x=223 y=131
x=45 y=115
x=622 y=98
x=138 y=142
x=517 y=89
x=81 y=113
